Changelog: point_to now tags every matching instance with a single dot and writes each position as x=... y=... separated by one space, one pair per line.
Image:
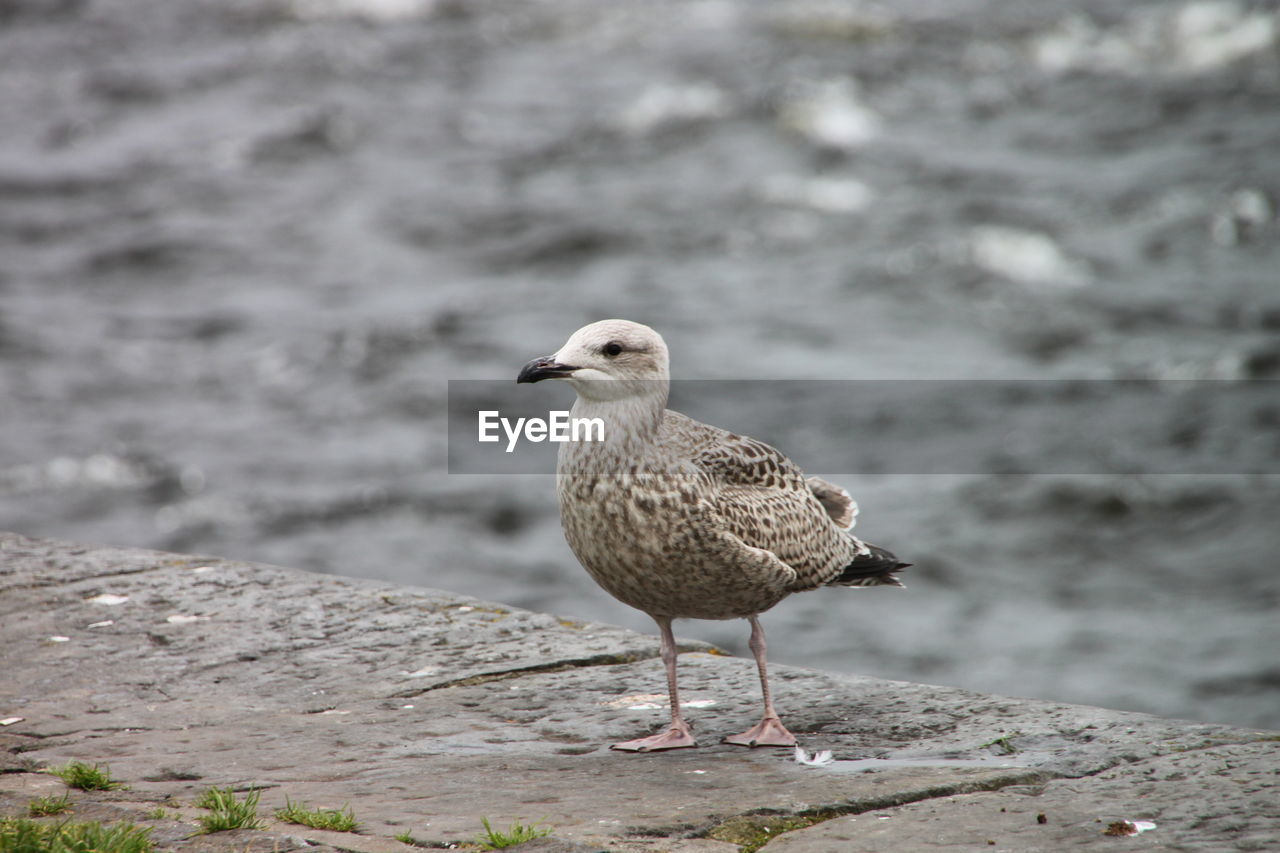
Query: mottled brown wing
x=790 y=524
x=764 y=499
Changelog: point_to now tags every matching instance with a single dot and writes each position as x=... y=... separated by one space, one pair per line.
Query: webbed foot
x=767 y=732
x=675 y=737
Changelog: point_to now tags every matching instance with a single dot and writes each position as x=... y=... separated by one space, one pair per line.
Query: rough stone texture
x=1220 y=798
x=425 y=711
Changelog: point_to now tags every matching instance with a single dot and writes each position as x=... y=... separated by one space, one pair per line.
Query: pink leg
x=769 y=731
x=677 y=734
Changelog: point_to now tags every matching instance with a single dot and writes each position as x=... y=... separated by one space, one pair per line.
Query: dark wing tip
x=875 y=568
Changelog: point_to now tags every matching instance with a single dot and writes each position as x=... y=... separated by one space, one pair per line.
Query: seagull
x=684 y=520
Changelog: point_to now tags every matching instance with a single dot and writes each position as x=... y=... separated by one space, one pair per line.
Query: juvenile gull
x=685 y=520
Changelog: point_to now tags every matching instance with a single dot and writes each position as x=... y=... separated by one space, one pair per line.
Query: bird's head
x=608 y=360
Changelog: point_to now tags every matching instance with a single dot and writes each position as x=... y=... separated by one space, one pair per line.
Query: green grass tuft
x=46 y=806
x=1004 y=743
x=517 y=833
x=338 y=820
x=20 y=835
x=226 y=812
x=86 y=777
x=405 y=837
x=210 y=798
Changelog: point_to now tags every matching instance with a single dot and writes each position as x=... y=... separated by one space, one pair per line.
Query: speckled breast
x=641 y=537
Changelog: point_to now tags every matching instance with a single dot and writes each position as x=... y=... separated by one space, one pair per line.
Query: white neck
x=630 y=424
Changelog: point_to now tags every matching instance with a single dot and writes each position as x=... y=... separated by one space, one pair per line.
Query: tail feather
x=873 y=566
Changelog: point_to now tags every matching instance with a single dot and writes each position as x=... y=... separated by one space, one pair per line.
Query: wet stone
x=1220 y=798
x=426 y=712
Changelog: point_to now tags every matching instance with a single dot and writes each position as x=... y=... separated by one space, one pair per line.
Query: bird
x=684 y=520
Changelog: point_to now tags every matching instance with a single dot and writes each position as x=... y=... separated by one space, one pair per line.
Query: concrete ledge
x=426 y=711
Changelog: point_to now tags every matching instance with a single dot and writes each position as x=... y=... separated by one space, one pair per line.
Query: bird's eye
x=612 y=348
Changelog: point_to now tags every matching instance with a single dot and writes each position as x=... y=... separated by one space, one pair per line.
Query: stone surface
x=1220 y=798
x=426 y=712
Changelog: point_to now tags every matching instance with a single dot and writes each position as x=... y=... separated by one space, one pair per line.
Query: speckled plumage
x=685 y=520
x=693 y=521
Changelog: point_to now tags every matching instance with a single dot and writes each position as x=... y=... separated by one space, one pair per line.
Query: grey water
x=245 y=246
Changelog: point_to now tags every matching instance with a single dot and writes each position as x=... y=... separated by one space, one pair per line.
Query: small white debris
x=406 y=707
x=1251 y=206
x=831 y=114
x=9 y=721
x=200 y=570
x=59 y=639
x=825 y=195
x=108 y=599
x=466 y=608
x=103 y=624
x=1190 y=38
x=1246 y=212
x=698 y=772
x=1124 y=828
x=662 y=106
x=1024 y=256
x=698 y=703
x=334 y=712
x=184 y=619
x=821 y=758
x=63 y=470
x=1213 y=34
x=373 y=11
x=422 y=673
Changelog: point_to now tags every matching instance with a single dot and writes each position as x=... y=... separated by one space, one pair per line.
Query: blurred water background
x=244 y=244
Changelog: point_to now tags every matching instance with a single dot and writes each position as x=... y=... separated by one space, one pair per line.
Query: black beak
x=544 y=368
